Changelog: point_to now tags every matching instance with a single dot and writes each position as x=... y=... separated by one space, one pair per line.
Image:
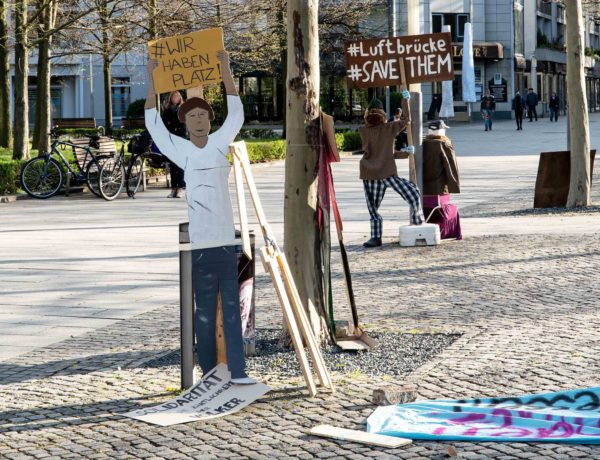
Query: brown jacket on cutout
x=378 y=143
x=440 y=168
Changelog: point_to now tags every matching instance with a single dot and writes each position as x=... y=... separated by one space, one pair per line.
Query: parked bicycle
x=112 y=175
x=42 y=177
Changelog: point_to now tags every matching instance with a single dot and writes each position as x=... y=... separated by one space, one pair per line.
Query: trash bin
x=246 y=281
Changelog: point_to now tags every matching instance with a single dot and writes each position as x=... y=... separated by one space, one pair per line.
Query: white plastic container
x=420 y=235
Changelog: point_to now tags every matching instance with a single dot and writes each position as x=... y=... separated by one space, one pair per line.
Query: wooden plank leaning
x=239 y=154
x=406 y=112
x=241 y=202
x=288 y=315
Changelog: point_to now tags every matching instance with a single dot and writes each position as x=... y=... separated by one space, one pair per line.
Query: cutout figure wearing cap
x=212 y=234
x=378 y=169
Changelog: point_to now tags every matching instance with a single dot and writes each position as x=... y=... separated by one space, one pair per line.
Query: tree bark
x=108 y=121
x=5 y=113
x=21 y=122
x=300 y=203
x=43 y=106
x=579 y=188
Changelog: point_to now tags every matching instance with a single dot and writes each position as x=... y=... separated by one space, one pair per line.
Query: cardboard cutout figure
x=378 y=169
x=212 y=235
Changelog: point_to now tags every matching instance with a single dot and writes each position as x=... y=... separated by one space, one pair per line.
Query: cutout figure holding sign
x=204 y=161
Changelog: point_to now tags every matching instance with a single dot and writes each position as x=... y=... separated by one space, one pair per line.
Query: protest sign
x=376 y=62
x=213 y=396
x=187 y=61
x=566 y=416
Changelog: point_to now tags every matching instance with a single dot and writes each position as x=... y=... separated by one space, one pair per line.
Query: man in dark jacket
x=517 y=106
x=553 y=105
x=488 y=107
x=531 y=101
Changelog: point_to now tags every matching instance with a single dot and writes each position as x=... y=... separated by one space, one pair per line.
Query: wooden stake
x=241 y=202
x=406 y=110
x=291 y=298
x=288 y=315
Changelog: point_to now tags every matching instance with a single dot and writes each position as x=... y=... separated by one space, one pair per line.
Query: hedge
x=9 y=175
x=260 y=152
x=348 y=141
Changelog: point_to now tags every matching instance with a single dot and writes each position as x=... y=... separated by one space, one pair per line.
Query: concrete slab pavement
x=77 y=262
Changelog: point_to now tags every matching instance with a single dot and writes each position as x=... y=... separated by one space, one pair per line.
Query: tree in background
x=5 y=113
x=579 y=134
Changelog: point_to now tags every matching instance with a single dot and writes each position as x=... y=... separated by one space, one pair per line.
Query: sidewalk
x=89 y=298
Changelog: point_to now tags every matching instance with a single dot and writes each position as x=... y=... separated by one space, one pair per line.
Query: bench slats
x=107 y=148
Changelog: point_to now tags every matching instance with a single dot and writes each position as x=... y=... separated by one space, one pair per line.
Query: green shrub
x=257 y=133
x=9 y=175
x=260 y=152
x=136 y=109
x=348 y=141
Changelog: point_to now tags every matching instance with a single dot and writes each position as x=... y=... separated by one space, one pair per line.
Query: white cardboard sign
x=213 y=396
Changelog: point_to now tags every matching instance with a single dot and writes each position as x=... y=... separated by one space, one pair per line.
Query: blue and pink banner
x=566 y=416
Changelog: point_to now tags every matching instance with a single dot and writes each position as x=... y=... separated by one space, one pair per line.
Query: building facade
x=517 y=44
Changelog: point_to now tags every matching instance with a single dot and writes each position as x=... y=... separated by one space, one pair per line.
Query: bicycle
x=42 y=177
x=112 y=175
x=139 y=146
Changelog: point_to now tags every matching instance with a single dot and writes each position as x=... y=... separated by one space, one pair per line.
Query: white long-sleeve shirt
x=206 y=173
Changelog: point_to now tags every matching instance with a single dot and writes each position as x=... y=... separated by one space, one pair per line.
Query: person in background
x=488 y=107
x=517 y=106
x=531 y=101
x=174 y=126
x=553 y=106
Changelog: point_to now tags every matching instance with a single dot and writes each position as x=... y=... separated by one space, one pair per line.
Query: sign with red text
x=213 y=396
x=376 y=62
x=566 y=416
x=187 y=61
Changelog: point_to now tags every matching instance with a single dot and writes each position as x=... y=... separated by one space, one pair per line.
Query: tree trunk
x=107 y=96
x=300 y=203
x=579 y=188
x=5 y=113
x=21 y=122
x=43 y=106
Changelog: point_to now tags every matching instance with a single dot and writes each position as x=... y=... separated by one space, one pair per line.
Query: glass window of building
x=121 y=95
x=456 y=21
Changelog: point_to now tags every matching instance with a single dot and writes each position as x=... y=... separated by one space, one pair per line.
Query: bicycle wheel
x=41 y=177
x=91 y=177
x=134 y=175
x=111 y=178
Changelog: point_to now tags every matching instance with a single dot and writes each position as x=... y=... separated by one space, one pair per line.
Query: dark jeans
x=553 y=114
x=519 y=118
x=176 y=176
x=532 y=112
x=214 y=270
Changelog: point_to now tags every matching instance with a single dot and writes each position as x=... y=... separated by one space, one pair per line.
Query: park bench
x=107 y=148
x=133 y=123
x=70 y=123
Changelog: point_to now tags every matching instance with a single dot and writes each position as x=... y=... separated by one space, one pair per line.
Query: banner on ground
x=213 y=396
x=566 y=416
x=187 y=61
x=376 y=62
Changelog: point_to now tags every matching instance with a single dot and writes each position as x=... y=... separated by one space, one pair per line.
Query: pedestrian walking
x=378 y=168
x=517 y=106
x=531 y=101
x=488 y=107
x=553 y=105
x=176 y=127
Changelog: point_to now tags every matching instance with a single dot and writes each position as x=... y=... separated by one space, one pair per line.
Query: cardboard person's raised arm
x=235 y=111
x=151 y=97
x=170 y=145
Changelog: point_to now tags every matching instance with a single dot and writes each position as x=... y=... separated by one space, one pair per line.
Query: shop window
x=456 y=21
x=121 y=96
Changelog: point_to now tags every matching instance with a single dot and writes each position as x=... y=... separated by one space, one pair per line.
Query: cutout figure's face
x=197 y=122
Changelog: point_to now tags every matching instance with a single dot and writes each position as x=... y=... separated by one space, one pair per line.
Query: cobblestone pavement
x=526 y=306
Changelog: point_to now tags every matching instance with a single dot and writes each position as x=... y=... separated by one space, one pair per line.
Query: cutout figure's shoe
x=244 y=381
x=372 y=243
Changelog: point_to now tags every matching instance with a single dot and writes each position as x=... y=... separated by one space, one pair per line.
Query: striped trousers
x=375 y=191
